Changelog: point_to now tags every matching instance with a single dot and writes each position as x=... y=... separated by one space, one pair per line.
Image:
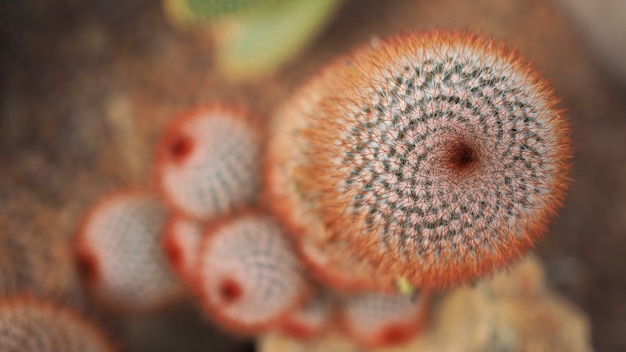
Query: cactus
x=181 y=244
x=207 y=162
x=334 y=267
x=311 y=319
x=249 y=276
x=27 y=324
x=439 y=157
x=376 y=320
x=118 y=249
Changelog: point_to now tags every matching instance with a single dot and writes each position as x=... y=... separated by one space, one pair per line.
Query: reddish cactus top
x=438 y=156
x=208 y=162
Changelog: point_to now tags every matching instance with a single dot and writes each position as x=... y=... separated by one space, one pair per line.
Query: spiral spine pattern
x=438 y=156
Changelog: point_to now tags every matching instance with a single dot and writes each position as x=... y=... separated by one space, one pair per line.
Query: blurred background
x=87 y=87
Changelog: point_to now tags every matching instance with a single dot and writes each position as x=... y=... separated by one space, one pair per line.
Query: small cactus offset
x=181 y=244
x=32 y=325
x=439 y=157
x=376 y=320
x=119 y=251
x=337 y=268
x=208 y=162
x=312 y=318
x=249 y=276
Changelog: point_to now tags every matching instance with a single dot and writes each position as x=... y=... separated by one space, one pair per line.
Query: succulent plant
x=337 y=268
x=437 y=156
x=314 y=317
x=181 y=244
x=118 y=249
x=208 y=162
x=249 y=276
x=376 y=320
x=27 y=324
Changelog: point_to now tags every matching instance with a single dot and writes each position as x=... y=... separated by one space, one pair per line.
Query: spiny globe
x=119 y=253
x=29 y=324
x=248 y=275
x=207 y=162
x=439 y=156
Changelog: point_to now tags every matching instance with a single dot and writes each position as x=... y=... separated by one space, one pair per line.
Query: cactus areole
x=438 y=156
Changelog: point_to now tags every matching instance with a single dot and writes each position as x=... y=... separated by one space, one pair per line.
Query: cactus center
x=88 y=266
x=461 y=156
x=180 y=148
x=230 y=291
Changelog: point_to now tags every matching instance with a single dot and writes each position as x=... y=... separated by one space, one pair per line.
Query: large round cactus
x=438 y=157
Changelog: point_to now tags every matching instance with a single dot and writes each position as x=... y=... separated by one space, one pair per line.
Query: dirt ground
x=87 y=86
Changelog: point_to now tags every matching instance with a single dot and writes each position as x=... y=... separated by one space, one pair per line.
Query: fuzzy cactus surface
x=313 y=318
x=27 y=324
x=119 y=251
x=249 y=276
x=208 y=162
x=181 y=243
x=438 y=156
x=376 y=320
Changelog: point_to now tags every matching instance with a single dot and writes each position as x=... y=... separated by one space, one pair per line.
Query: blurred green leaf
x=253 y=44
x=198 y=12
x=405 y=287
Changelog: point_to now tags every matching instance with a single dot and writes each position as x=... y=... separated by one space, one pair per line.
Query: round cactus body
x=208 y=162
x=119 y=252
x=438 y=157
x=376 y=320
x=249 y=276
x=36 y=326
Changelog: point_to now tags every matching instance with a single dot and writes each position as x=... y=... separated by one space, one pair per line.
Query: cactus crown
x=441 y=156
x=208 y=161
x=119 y=248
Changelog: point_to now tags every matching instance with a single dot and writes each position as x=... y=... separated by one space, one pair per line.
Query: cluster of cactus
x=203 y=221
x=418 y=163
